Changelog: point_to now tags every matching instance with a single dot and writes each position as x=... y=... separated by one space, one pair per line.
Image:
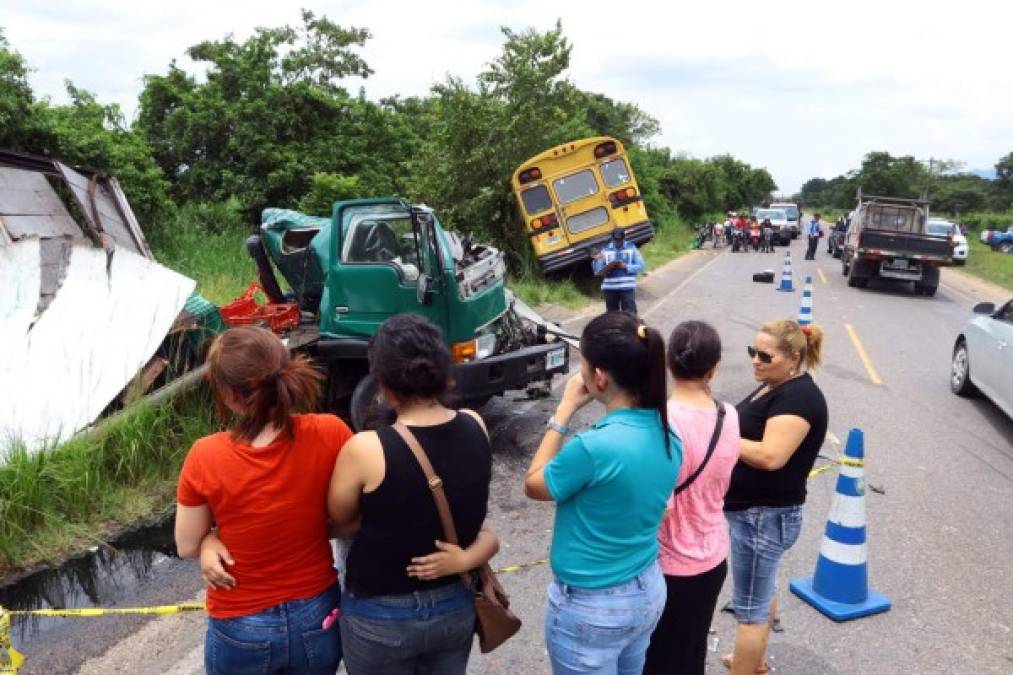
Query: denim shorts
x=289 y=637
x=421 y=632
x=759 y=537
x=603 y=630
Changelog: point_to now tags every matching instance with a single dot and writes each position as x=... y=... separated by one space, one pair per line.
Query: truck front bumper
x=514 y=370
x=639 y=234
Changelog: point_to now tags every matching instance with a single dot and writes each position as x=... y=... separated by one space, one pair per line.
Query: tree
x=1004 y=180
x=271 y=114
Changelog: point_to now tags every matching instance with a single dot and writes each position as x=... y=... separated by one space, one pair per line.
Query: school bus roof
x=572 y=146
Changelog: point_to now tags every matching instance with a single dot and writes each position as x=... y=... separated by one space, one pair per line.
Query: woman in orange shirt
x=263 y=485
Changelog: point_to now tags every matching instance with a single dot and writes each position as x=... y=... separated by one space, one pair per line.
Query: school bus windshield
x=572 y=196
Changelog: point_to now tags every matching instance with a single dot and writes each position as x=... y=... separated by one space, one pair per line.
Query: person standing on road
x=263 y=485
x=619 y=263
x=610 y=484
x=404 y=609
x=813 y=231
x=693 y=536
x=783 y=424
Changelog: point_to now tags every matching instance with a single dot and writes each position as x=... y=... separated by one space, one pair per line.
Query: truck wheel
x=1006 y=247
x=368 y=409
x=854 y=281
x=960 y=372
x=844 y=264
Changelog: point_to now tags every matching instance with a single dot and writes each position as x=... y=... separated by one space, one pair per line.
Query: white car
x=783 y=234
x=983 y=356
x=944 y=228
x=794 y=217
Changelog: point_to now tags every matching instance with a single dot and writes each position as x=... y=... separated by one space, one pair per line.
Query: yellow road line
x=823 y=277
x=873 y=375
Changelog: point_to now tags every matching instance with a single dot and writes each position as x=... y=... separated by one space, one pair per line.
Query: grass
x=62 y=499
x=987 y=264
x=672 y=239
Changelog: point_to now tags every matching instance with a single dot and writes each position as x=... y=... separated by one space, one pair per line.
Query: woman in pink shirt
x=693 y=535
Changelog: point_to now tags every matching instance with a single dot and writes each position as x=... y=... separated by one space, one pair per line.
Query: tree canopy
x=269 y=121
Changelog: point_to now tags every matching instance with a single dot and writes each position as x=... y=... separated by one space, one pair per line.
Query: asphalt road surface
x=939 y=514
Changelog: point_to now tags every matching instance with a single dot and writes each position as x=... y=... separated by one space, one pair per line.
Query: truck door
x=381 y=257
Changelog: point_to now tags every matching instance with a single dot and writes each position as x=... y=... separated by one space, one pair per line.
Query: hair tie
x=642 y=331
x=806 y=330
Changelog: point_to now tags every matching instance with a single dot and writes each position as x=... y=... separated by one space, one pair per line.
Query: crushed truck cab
x=374 y=258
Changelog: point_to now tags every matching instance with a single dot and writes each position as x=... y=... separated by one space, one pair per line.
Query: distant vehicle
x=947 y=228
x=999 y=240
x=835 y=241
x=572 y=196
x=794 y=216
x=983 y=356
x=783 y=234
x=887 y=239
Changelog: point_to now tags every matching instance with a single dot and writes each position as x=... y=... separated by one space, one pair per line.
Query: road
x=940 y=532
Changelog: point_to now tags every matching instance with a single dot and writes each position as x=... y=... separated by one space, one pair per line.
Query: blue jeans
x=603 y=630
x=420 y=633
x=287 y=638
x=759 y=537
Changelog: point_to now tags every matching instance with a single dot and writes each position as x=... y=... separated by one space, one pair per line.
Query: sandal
x=726 y=661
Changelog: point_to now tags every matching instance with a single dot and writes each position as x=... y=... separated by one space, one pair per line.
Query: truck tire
x=1006 y=247
x=844 y=264
x=929 y=283
x=856 y=280
x=367 y=405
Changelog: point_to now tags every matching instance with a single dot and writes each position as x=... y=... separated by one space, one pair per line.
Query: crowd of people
x=654 y=503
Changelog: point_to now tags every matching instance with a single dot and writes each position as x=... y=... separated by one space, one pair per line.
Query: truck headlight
x=474 y=350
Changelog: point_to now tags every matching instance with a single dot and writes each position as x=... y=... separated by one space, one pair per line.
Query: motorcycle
x=754 y=236
x=703 y=233
x=738 y=240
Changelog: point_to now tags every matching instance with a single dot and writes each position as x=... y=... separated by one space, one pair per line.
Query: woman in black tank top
x=404 y=608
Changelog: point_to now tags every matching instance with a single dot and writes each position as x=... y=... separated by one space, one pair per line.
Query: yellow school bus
x=572 y=196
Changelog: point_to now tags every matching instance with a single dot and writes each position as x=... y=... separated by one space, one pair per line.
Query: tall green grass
x=59 y=499
x=206 y=243
x=987 y=264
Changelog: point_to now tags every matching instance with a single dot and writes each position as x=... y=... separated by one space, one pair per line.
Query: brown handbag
x=494 y=622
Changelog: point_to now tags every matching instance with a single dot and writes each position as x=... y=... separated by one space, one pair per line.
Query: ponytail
x=252 y=369
x=654 y=391
x=805 y=341
x=633 y=354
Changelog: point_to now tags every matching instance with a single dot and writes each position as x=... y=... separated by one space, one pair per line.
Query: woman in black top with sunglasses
x=783 y=424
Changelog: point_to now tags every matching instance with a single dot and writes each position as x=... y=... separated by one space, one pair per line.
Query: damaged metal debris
x=84 y=308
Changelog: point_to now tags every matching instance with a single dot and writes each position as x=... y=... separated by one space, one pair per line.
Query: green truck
x=374 y=258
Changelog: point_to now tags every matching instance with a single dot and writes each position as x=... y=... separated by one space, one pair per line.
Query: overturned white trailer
x=83 y=304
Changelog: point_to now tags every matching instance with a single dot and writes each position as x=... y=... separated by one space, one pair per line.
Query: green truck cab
x=374 y=258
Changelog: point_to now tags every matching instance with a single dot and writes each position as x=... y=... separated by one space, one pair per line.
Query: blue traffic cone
x=786 y=284
x=840 y=586
x=805 y=311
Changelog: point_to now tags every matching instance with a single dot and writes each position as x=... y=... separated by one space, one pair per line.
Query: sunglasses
x=754 y=353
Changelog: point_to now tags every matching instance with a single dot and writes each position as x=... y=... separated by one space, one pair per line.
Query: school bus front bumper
x=639 y=234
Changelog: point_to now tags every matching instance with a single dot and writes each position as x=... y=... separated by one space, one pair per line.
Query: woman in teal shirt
x=610 y=484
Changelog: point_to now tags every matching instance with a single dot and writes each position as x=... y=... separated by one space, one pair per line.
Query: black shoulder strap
x=710 y=449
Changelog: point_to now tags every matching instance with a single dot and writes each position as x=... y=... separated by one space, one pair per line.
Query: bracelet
x=561 y=429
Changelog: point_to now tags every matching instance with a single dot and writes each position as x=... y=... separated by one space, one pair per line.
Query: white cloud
x=803 y=88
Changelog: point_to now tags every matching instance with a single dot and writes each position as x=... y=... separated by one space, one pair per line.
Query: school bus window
x=575 y=186
x=536 y=199
x=587 y=220
x=614 y=172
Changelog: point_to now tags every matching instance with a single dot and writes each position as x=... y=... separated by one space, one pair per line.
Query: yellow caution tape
x=521 y=566
x=840 y=461
x=159 y=610
x=10 y=658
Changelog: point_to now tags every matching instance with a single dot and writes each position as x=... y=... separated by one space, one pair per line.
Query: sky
x=804 y=89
